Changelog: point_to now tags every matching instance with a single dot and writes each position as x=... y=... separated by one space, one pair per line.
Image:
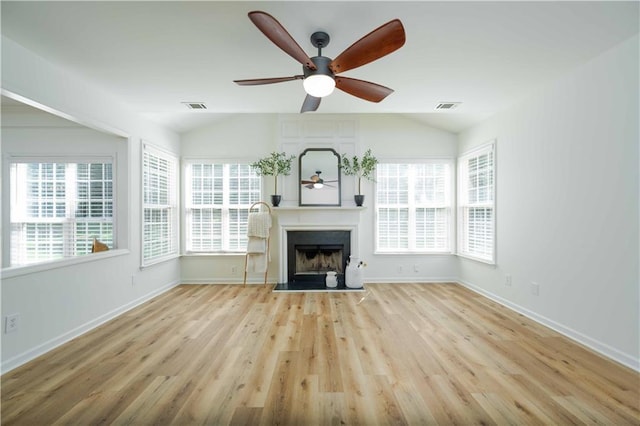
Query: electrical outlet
x=234 y=270
x=11 y=323
x=399 y=269
x=507 y=280
x=416 y=268
x=535 y=288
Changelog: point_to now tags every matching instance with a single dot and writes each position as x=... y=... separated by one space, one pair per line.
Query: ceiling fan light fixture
x=318 y=72
x=319 y=85
x=318 y=185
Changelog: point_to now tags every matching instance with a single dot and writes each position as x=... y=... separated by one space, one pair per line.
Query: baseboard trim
x=410 y=280
x=45 y=347
x=218 y=281
x=394 y=280
x=593 y=344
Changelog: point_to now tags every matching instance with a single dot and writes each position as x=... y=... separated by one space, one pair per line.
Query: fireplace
x=310 y=254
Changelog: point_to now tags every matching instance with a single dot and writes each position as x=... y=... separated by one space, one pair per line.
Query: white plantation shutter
x=94 y=205
x=57 y=208
x=160 y=205
x=476 y=204
x=413 y=206
x=217 y=201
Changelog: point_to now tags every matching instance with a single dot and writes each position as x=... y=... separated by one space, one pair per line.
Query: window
x=476 y=204
x=57 y=208
x=217 y=201
x=160 y=205
x=413 y=207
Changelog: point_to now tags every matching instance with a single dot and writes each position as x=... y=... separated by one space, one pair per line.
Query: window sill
x=225 y=253
x=159 y=261
x=16 y=271
x=477 y=259
x=413 y=253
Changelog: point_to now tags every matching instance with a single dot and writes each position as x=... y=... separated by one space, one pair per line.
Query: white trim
x=230 y=281
x=313 y=208
x=23 y=358
x=409 y=280
x=414 y=252
x=214 y=254
x=477 y=259
x=599 y=347
x=159 y=260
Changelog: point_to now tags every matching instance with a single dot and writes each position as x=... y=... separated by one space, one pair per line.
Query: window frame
x=449 y=206
x=462 y=194
x=187 y=248
x=173 y=205
x=70 y=200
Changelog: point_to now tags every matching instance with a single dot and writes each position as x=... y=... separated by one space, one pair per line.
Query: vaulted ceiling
x=155 y=55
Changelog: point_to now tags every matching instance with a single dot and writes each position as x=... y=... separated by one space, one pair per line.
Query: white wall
x=394 y=137
x=567 y=205
x=244 y=137
x=58 y=304
x=391 y=137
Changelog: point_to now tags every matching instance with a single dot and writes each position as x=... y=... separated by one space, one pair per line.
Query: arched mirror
x=319 y=177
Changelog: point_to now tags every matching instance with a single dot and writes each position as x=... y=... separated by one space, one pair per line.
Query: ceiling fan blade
x=378 y=43
x=363 y=89
x=280 y=37
x=311 y=103
x=259 y=81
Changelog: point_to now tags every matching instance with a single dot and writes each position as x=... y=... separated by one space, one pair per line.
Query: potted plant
x=277 y=163
x=361 y=168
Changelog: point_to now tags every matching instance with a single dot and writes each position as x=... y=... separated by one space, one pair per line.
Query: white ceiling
x=155 y=55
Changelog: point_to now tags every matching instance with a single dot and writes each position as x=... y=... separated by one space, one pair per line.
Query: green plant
x=277 y=163
x=359 y=167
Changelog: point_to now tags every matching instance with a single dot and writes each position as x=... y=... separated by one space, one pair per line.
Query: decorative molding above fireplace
x=298 y=133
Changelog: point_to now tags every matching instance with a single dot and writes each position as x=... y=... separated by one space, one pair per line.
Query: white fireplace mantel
x=315 y=218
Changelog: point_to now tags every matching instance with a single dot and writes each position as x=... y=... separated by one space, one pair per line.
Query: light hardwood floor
x=395 y=354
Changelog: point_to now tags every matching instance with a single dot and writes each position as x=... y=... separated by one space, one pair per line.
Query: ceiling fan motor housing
x=322 y=67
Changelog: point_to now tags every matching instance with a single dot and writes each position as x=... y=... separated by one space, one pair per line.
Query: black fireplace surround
x=310 y=254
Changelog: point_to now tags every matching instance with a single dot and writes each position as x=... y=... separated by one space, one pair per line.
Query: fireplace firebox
x=311 y=254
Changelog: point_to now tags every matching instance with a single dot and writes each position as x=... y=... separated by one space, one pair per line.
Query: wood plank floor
x=395 y=354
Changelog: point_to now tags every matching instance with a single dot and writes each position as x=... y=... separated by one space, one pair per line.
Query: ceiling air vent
x=447 y=105
x=195 y=105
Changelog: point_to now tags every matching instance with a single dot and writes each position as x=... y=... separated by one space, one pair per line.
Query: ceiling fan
x=319 y=73
x=315 y=181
